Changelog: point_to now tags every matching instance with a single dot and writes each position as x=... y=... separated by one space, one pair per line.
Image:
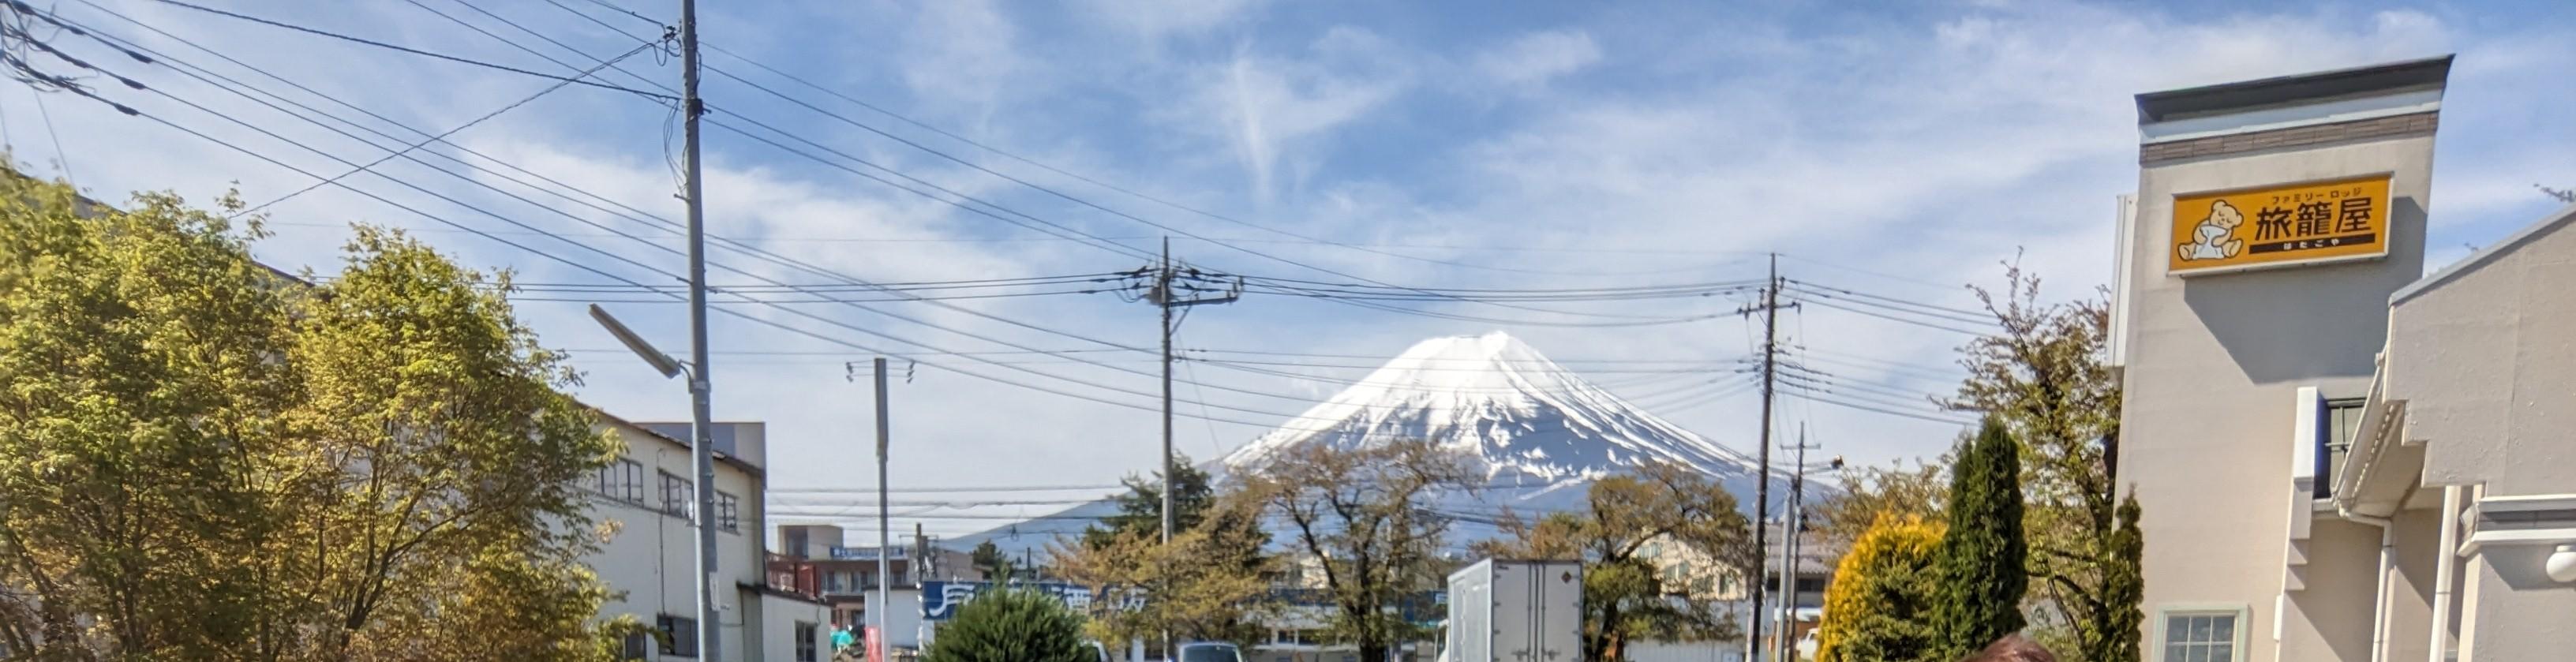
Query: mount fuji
x=1537 y=433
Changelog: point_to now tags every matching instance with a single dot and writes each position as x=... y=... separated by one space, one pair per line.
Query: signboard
x=940 y=600
x=868 y=553
x=2280 y=226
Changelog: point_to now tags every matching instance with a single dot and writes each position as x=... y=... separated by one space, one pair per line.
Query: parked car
x=1210 y=652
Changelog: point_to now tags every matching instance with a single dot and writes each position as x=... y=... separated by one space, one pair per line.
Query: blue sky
x=1901 y=149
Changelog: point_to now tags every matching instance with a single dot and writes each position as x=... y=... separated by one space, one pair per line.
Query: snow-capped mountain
x=1521 y=417
x=1537 y=432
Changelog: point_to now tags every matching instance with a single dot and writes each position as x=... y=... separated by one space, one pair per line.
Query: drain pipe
x=2444 y=574
x=2379 y=595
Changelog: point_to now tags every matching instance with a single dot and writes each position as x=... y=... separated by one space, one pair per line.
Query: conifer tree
x=1982 y=578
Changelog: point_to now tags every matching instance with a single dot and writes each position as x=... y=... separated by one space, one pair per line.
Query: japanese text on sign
x=2281 y=226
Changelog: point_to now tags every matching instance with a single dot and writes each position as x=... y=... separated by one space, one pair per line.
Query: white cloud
x=1270 y=109
x=1157 y=19
x=1538 y=57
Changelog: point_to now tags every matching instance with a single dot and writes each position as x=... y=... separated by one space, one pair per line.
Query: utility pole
x=701 y=451
x=1163 y=292
x=1789 y=546
x=884 y=607
x=1770 y=309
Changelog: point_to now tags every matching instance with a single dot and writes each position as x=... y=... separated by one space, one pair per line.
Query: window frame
x=728 y=512
x=621 y=480
x=2164 y=615
x=687 y=500
x=674 y=629
x=807 y=648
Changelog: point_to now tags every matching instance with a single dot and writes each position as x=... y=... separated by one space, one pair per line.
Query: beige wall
x=650 y=558
x=2214 y=365
x=2486 y=359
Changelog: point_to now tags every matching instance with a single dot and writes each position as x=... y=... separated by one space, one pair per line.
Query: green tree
x=1360 y=517
x=2124 y=587
x=1008 y=624
x=1870 y=494
x=140 y=405
x=1879 y=607
x=1140 y=510
x=1211 y=583
x=1628 y=521
x=210 y=460
x=2046 y=376
x=988 y=559
x=1980 y=559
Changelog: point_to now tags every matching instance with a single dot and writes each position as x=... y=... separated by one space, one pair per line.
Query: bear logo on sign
x=2215 y=237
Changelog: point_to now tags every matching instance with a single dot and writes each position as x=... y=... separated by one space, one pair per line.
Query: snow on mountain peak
x=1518 y=414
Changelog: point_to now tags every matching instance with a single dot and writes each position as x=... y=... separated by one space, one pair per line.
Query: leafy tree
x=1980 y=557
x=1870 y=494
x=2046 y=376
x=1141 y=508
x=210 y=460
x=1879 y=607
x=1359 y=516
x=1625 y=597
x=988 y=559
x=1008 y=624
x=1211 y=583
x=140 y=402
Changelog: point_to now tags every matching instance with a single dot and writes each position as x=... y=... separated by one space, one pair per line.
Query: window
x=2200 y=636
x=636 y=646
x=680 y=635
x=805 y=642
x=2341 y=416
x=728 y=512
x=676 y=497
x=622 y=480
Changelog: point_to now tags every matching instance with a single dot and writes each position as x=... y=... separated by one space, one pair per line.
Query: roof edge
x=2265 y=92
x=2482 y=256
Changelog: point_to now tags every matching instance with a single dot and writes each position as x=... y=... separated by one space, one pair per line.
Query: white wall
x=649 y=560
x=2214 y=362
x=2486 y=360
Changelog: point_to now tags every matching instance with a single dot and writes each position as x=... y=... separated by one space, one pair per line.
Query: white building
x=650 y=562
x=2340 y=457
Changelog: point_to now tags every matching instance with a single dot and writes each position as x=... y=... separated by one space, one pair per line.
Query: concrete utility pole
x=1789 y=547
x=1770 y=309
x=884 y=607
x=1163 y=293
x=701 y=421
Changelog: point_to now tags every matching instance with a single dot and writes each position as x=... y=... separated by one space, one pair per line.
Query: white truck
x=1503 y=610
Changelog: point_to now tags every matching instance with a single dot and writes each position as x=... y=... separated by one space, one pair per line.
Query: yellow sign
x=2280 y=226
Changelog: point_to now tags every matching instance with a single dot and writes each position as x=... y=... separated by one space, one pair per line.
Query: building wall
x=648 y=561
x=2483 y=358
x=2215 y=363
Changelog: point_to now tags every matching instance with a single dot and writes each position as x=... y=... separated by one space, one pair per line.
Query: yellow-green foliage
x=201 y=459
x=1879 y=606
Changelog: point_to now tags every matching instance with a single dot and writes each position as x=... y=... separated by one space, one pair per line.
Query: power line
x=795 y=263
x=414 y=51
x=440 y=137
x=579 y=265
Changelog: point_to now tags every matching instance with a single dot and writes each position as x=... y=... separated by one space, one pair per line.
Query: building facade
x=649 y=561
x=2281 y=351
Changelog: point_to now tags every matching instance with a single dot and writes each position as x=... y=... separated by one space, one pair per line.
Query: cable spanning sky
x=968 y=187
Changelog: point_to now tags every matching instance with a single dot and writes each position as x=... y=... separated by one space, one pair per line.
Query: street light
x=701 y=457
x=663 y=362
